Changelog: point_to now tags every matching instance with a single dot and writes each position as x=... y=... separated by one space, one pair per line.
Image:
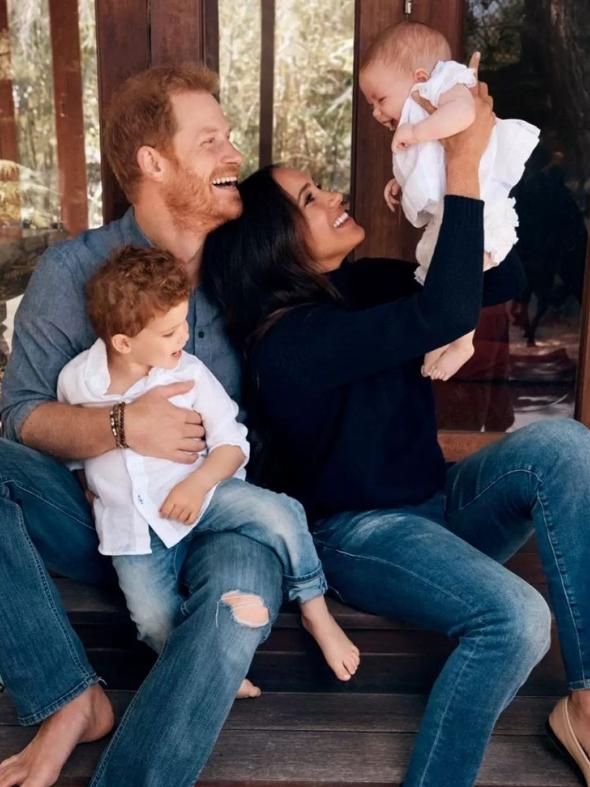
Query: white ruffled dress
x=420 y=171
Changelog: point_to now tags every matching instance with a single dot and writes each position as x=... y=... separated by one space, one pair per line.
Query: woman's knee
x=525 y=622
x=555 y=440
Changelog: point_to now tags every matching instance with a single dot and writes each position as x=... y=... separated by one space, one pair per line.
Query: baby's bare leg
x=452 y=358
x=340 y=653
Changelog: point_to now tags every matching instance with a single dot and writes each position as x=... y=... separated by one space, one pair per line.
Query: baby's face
x=386 y=89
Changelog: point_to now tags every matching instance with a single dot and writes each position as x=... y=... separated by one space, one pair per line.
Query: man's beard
x=192 y=204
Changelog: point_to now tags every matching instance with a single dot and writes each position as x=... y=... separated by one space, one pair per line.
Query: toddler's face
x=386 y=89
x=160 y=343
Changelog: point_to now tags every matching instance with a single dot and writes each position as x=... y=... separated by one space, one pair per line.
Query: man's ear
x=120 y=343
x=421 y=75
x=150 y=163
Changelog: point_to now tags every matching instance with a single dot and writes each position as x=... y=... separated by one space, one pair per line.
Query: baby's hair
x=131 y=287
x=408 y=46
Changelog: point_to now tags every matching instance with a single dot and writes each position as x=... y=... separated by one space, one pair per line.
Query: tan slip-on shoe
x=562 y=733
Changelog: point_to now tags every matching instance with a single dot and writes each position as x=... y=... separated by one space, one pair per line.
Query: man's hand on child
x=184 y=501
x=390 y=194
x=404 y=137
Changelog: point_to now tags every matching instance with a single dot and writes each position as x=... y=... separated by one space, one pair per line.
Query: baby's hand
x=184 y=502
x=390 y=193
x=405 y=135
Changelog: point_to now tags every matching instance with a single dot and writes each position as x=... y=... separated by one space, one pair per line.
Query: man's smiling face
x=200 y=187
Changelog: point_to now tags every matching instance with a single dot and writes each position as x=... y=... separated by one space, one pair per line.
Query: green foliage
x=32 y=82
x=313 y=84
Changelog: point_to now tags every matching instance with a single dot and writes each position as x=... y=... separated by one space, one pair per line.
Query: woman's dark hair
x=258 y=266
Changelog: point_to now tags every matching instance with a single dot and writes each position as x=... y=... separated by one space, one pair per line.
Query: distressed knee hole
x=247 y=608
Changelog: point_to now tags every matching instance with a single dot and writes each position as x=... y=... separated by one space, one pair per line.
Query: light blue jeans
x=45 y=523
x=151 y=583
x=438 y=565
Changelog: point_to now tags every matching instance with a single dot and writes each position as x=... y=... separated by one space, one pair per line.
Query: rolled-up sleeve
x=219 y=413
x=49 y=320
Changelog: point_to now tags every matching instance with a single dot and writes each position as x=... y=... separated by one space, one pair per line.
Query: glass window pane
x=313 y=56
x=525 y=364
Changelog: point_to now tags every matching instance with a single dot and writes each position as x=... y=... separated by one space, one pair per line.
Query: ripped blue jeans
x=150 y=582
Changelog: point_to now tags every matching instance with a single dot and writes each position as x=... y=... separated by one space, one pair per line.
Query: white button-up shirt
x=131 y=488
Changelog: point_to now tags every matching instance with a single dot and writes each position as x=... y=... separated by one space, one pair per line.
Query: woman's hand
x=463 y=151
x=391 y=194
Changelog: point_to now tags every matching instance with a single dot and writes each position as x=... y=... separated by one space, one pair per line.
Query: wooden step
x=336 y=740
x=395 y=657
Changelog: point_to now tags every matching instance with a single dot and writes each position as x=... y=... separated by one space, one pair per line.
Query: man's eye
x=209 y=141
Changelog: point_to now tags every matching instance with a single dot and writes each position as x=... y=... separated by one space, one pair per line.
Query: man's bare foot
x=247 y=689
x=86 y=718
x=341 y=654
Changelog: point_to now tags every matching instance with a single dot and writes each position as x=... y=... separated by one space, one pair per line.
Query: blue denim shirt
x=51 y=324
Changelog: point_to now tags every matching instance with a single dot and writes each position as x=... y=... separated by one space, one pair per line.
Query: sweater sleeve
x=328 y=346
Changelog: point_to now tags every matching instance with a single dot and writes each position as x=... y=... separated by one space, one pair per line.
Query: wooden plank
x=332 y=759
x=69 y=116
x=267 y=70
x=122 y=31
x=457 y=445
x=387 y=235
x=276 y=711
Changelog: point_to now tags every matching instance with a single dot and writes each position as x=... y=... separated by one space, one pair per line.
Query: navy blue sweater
x=340 y=384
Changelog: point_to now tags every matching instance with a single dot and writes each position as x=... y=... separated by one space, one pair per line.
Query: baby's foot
x=430 y=360
x=247 y=690
x=341 y=654
x=450 y=361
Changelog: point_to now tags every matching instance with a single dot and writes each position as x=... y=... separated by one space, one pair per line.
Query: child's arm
x=456 y=112
x=226 y=440
x=185 y=500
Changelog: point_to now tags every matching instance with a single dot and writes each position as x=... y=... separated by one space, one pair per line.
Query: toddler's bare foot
x=341 y=654
x=86 y=718
x=451 y=361
x=247 y=690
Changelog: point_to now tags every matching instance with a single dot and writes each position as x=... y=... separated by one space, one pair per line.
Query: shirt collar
x=132 y=230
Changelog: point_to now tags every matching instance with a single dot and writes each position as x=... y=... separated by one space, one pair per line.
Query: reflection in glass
x=524 y=368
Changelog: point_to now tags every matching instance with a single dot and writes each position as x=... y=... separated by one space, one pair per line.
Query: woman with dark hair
x=333 y=355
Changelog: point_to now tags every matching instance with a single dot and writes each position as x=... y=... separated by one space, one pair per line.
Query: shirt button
x=201 y=334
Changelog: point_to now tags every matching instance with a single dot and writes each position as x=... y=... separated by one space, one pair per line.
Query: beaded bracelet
x=117 y=420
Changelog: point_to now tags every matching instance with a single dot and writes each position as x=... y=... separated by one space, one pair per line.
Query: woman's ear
x=421 y=75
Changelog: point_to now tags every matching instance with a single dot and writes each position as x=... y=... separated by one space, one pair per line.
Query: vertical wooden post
x=8 y=134
x=267 y=81
x=122 y=34
x=69 y=115
x=390 y=236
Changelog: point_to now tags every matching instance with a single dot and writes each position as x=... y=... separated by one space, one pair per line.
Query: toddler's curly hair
x=132 y=287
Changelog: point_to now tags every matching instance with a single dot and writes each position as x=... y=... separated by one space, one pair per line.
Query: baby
x=147 y=510
x=412 y=58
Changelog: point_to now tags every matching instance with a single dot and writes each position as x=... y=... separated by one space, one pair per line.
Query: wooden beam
x=192 y=36
x=8 y=131
x=123 y=49
x=267 y=81
x=388 y=235
x=69 y=115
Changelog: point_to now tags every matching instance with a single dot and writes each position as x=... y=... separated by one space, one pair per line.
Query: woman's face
x=331 y=232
